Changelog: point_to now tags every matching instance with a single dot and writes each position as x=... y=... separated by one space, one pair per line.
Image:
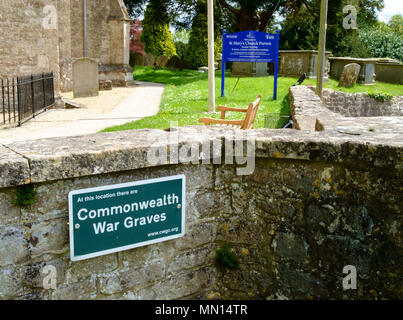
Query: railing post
x=14 y=99
x=33 y=96
x=19 y=101
x=52 y=88
x=4 y=107
x=43 y=90
x=8 y=101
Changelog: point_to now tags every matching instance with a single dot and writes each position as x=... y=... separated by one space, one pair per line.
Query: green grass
x=185 y=98
x=393 y=89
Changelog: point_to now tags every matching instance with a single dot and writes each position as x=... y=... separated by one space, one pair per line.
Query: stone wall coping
x=365 y=60
x=302 y=51
x=394 y=64
x=53 y=159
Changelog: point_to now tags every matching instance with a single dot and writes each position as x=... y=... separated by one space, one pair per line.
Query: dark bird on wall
x=300 y=80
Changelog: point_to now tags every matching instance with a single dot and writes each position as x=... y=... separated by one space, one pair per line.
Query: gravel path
x=110 y=108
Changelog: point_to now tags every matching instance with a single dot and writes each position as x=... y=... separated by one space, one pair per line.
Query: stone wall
x=297 y=62
x=26 y=46
x=32 y=45
x=359 y=114
x=314 y=203
x=389 y=72
x=379 y=69
x=361 y=104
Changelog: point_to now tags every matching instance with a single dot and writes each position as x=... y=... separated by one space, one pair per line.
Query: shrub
x=196 y=53
x=226 y=258
x=156 y=36
x=25 y=196
x=382 y=42
x=381 y=96
x=181 y=49
x=136 y=30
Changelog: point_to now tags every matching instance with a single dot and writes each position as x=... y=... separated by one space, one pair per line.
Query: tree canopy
x=156 y=35
x=299 y=26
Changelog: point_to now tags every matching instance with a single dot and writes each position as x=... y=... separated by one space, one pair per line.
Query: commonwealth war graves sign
x=119 y=217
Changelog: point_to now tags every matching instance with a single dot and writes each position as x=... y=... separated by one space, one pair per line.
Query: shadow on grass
x=166 y=76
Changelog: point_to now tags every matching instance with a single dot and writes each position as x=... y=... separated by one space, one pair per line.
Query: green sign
x=119 y=217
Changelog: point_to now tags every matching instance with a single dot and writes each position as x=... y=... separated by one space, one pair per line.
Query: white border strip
x=123 y=185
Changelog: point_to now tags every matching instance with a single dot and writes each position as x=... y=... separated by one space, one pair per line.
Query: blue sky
x=392 y=7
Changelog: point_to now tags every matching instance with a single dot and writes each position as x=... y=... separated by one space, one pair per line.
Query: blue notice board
x=250 y=46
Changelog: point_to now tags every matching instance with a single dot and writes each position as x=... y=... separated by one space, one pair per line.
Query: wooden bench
x=247 y=123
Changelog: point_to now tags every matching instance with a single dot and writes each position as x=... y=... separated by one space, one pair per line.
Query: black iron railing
x=23 y=98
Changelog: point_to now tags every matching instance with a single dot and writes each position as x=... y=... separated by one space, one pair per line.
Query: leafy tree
x=156 y=35
x=383 y=41
x=396 y=23
x=252 y=14
x=196 y=53
x=235 y=15
x=300 y=30
x=181 y=40
x=136 y=30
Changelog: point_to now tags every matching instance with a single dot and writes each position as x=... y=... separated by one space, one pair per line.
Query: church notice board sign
x=119 y=217
x=250 y=46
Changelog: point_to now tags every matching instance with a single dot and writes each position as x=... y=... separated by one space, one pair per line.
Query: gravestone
x=182 y=64
x=368 y=72
x=149 y=60
x=161 y=62
x=349 y=75
x=138 y=59
x=85 y=78
x=173 y=63
x=176 y=63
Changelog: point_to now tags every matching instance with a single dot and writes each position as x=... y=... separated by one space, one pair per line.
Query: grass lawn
x=185 y=98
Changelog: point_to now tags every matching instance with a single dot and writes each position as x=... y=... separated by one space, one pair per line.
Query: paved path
x=144 y=100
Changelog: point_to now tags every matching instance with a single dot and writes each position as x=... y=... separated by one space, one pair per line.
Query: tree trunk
x=247 y=21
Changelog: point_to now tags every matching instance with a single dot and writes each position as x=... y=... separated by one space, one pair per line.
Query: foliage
x=396 y=23
x=181 y=48
x=156 y=35
x=233 y=15
x=300 y=30
x=136 y=30
x=181 y=40
x=197 y=48
x=251 y=14
x=381 y=41
x=25 y=196
x=226 y=258
x=381 y=96
x=181 y=36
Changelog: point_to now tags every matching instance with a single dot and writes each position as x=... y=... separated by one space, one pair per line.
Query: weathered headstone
x=173 y=63
x=242 y=69
x=138 y=59
x=68 y=104
x=182 y=64
x=349 y=75
x=203 y=69
x=85 y=78
x=161 y=62
x=149 y=60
